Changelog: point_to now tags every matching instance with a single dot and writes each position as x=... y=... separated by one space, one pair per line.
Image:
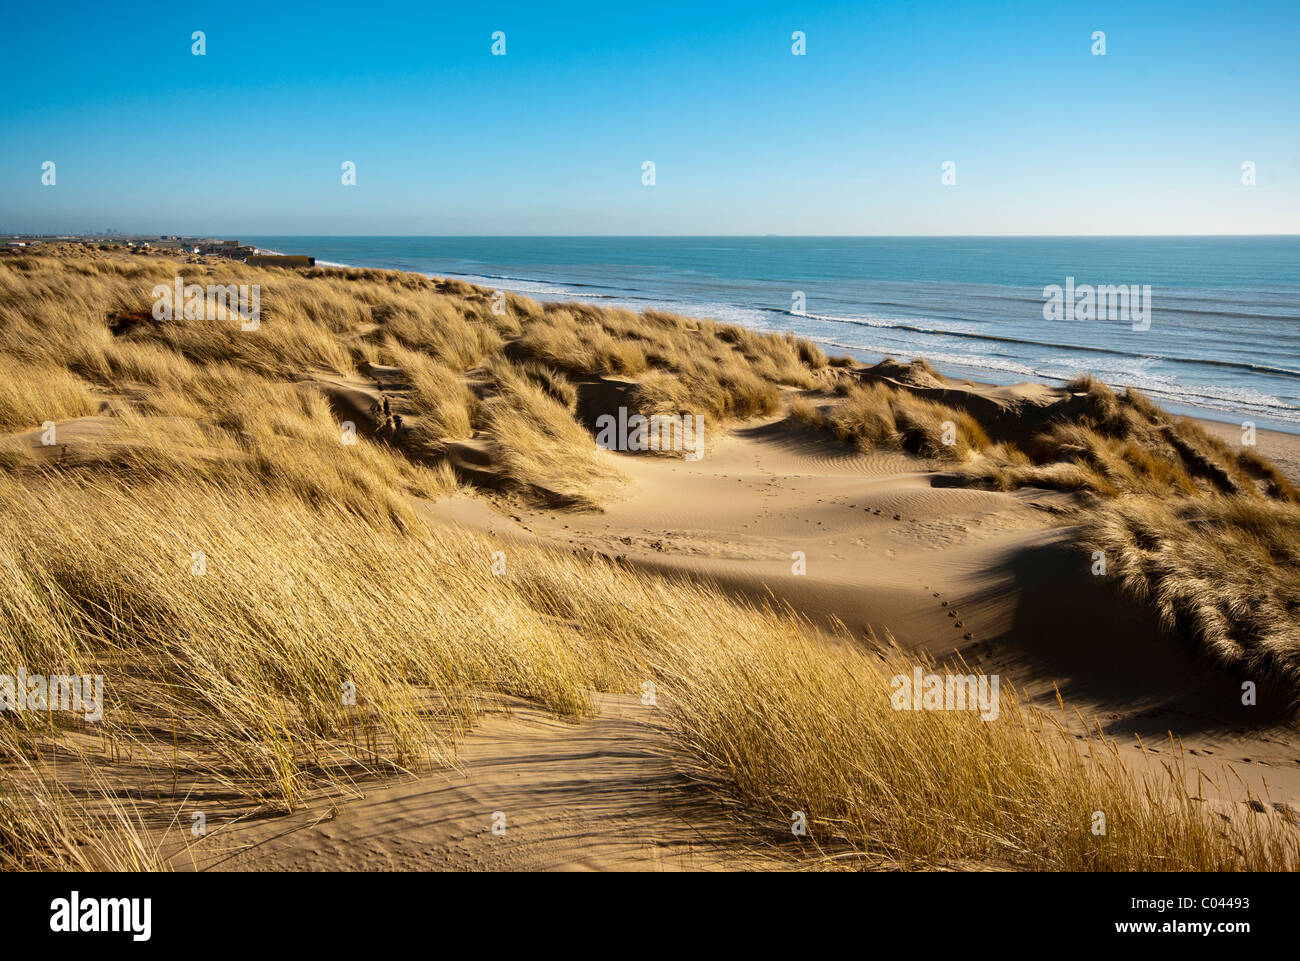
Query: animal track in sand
x=898 y=517
x=953 y=613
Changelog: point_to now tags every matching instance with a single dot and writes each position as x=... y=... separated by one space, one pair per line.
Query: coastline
x=1210 y=400
x=1281 y=448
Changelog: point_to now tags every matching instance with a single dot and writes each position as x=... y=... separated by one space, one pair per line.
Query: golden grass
x=457 y=332
x=248 y=661
x=543 y=450
x=878 y=415
x=806 y=412
x=814 y=733
x=680 y=365
x=320 y=574
x=249 y=657
x=33 y=395
x=80 y=320
x=1098 y=441
x=443 y=403
x=44 y=826
x=778 y=721
x=1222 y=571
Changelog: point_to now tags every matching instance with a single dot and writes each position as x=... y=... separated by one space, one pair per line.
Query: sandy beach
x=1280 y=448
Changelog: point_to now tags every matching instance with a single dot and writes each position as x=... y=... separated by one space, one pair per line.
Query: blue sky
x=746 y=137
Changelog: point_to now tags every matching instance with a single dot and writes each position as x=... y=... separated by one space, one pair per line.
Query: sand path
x=595 y=795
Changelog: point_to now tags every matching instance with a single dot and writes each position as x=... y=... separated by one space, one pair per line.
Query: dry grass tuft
x=543 y=450
x=878 y=415
x=32 y=395
x=1224 y=572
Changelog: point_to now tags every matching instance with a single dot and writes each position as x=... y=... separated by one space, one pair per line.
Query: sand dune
x=374 y=401
x=529 y=793
x=988 y=575
x=887 y=547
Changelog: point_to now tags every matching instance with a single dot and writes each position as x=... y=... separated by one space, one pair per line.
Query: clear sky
x=746 y=137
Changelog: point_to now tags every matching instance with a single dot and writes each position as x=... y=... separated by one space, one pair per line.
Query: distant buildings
x=207 y=246
x=279 y=260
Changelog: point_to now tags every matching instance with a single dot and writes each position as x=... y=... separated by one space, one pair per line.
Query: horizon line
x=11 y=233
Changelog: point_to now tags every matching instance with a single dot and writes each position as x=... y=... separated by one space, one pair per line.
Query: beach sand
x=986 y=575
x=1280 y=448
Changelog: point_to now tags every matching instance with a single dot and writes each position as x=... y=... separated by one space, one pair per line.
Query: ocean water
x=1224 y=337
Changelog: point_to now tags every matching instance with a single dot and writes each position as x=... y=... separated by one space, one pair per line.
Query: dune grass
x=1203 y=533
x=249 y=663
x=876 y=415
x=81 y=320
x=1096 y=440
x=1223 y=571
x=31 y=395
x=542 y=448
x=1128 y=445
x=275 y=621
x=444 y=405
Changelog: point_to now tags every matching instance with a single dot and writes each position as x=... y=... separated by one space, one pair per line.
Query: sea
x=1223 y=340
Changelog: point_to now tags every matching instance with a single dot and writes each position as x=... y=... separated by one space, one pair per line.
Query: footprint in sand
x=953 y=613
